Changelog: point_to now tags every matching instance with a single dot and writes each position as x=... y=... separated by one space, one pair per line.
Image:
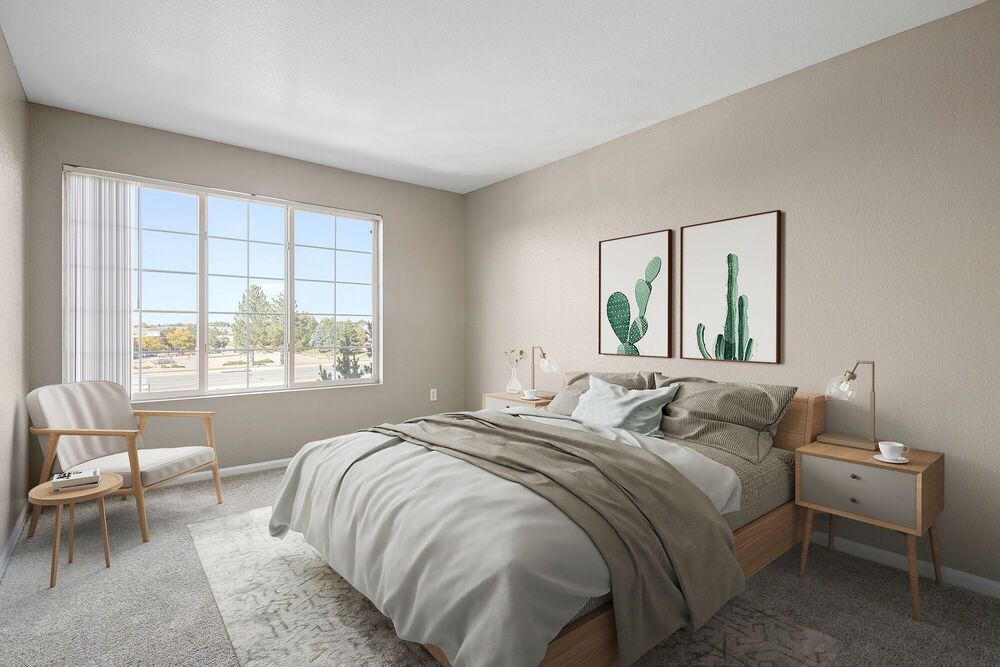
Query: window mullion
x=202 y=293
x=138 y=278
x=376 y=325
x=289 y=298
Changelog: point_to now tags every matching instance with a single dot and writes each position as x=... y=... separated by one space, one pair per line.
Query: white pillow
x=638 y=410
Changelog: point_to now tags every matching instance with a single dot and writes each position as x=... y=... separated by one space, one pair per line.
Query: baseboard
x=206 y=473
x=8 y=549
x=949 y=575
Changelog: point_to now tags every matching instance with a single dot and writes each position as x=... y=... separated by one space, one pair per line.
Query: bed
x=761 y=535
x=354 y=536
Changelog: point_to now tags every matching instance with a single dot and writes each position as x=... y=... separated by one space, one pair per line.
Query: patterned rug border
x=282 y=604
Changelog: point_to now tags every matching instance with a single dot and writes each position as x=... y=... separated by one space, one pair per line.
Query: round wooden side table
x=44 y=495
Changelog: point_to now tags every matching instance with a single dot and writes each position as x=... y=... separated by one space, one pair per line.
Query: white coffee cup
x=530 y=394
x=892 y=450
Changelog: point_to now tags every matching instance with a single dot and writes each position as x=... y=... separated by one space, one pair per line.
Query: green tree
x=350 y=339
x=305 y=324
x=366 y=332
x=255 y=325
x=216 y=340
x=350 y=334
x=348 y=365
x=324 y=334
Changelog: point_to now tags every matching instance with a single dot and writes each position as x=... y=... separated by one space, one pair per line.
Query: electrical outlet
x=434 y=394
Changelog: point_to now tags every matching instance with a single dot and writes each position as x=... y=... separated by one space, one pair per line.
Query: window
x=239 y=293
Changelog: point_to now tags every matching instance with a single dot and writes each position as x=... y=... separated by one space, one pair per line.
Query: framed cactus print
x=731 y=289
x=635 y=289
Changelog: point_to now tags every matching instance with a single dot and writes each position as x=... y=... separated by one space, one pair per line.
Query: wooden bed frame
x=592 y=639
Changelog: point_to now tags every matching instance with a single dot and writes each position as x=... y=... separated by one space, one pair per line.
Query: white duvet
x=481 y=567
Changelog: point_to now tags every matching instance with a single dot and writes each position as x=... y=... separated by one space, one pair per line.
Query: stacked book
x=79 y=479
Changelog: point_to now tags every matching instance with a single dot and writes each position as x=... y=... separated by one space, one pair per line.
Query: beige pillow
x=735 y=417
x=578 y=382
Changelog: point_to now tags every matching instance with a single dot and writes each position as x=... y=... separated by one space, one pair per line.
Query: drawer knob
x=854 y=500
x=854 y=476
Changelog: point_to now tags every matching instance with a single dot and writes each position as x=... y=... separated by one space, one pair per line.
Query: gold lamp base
x=847 y=441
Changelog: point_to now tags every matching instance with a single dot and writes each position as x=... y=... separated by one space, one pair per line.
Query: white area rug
x=283 y=605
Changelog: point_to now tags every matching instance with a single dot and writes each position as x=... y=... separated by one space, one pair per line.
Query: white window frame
x=290 y=206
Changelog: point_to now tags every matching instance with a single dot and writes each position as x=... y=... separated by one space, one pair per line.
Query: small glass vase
x=513 y=384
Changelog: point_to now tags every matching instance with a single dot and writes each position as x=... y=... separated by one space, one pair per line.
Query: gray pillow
x=578 y=382
x=735 y=417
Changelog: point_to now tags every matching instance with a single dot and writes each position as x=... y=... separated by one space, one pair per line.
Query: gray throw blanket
x=670 y=552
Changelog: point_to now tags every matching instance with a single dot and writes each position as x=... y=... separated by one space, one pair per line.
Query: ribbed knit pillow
x=737 y=418
x=576 y=383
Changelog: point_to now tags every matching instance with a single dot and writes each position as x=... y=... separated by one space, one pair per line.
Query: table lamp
x=545 y=363
x=842 y=388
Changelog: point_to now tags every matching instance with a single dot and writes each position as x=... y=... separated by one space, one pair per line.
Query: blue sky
x=254 y=247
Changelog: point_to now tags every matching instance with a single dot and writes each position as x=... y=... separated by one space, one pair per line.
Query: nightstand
x=44 y=495
x=499 y=400
x=848 y=482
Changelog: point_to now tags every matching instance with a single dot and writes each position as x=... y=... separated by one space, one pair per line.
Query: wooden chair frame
x=130 y=436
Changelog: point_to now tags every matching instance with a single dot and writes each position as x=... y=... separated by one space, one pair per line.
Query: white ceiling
x=453 y=94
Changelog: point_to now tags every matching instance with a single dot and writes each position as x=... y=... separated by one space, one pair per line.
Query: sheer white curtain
x=98 y=216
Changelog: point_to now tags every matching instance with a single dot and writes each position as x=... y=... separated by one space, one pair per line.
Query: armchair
x=92 y=425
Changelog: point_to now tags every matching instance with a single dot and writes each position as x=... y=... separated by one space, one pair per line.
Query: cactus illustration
x=734 y=343
x=619 y=311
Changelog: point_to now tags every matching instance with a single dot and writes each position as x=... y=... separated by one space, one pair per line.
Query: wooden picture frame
x=622 y=269
x=719 y=254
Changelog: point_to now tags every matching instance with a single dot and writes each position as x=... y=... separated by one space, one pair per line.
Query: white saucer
x=879 y=457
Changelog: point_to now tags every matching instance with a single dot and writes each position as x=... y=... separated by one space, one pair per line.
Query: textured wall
x=885 y=162
x=423 y=286
x=13 y=337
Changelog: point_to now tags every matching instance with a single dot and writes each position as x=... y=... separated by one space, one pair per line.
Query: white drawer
x=494 y=403
x=883 y=495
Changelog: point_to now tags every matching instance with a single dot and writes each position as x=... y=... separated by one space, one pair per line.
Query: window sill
x=251 y=392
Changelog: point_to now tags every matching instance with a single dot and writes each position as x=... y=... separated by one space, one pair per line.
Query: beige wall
x=13 y=335
x=423 y=286
x=885 y=162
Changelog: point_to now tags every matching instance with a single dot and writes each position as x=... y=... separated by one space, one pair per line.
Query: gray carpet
x=154 y=606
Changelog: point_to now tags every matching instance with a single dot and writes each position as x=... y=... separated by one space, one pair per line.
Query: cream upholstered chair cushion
x=155 y=465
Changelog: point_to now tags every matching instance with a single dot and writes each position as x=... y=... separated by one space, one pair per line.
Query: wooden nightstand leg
x=833 y=522
x=911 y=557
x=55 y=547
x=937 y=554
x=806 y=532
x=104 y=531
x=72 y=510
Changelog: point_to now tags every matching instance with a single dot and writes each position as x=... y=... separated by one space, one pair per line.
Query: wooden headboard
x=802 y=422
